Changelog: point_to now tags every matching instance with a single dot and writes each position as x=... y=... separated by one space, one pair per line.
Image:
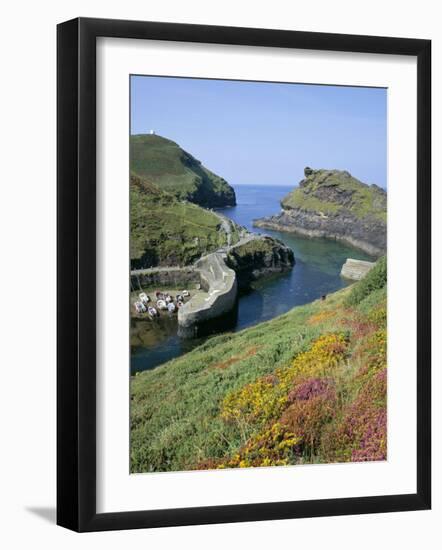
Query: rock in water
x=259 y=257
x=335 y=205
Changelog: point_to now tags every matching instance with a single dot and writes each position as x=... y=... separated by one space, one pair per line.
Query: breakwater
x=219 y=289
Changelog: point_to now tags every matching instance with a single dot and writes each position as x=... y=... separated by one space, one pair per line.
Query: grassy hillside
x=165 y=231
x=336 y=191
x=164 y=163
x=306 y=387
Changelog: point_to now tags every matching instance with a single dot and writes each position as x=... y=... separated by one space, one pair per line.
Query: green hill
x=306 y=387
x=172 y=169
x=337 y=191
x=165 y=231
x=334 y=204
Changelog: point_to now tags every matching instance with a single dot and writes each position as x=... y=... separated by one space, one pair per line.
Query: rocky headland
x=164 y=163
x=335 y=205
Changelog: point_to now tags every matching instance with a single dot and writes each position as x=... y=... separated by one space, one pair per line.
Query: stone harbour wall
x=356 y=269
x=222 y=290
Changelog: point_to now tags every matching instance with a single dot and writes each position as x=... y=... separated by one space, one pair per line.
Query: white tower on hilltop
x=152 y=132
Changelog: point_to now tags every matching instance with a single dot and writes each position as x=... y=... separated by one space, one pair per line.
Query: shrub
x=256 y=402
x=325 y=354
x=276 y=445
x=373 y=443
x=266 y=398
x=361 y=434
x=305 y=418
x=312 y=387
x=375 y=279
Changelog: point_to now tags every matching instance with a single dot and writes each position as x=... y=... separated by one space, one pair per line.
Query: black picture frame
x=76 y=274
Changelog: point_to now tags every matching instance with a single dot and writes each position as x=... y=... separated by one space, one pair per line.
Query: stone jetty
x=356 y=269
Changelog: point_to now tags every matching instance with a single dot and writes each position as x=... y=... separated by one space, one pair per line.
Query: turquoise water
x=318 y=264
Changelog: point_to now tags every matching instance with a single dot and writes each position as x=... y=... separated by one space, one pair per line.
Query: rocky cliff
x=335 y=205
x=164 y=163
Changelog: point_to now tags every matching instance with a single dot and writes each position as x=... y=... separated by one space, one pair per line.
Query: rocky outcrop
x=258 y=257
x=335 y=205
x=356 y=269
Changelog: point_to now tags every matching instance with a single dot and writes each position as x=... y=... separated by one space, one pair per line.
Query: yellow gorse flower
x=273 y=446
x=266 y=398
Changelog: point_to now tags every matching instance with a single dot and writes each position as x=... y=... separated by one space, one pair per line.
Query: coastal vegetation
x=334 y=191
x=163 y=162
x=168 y=232
x=306 y=387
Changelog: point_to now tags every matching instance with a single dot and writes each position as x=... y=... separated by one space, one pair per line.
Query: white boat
x=161 y=304
x=171 y=307
x=186 y=293
x=140 y=307
x=144 y=297
x=152 y=311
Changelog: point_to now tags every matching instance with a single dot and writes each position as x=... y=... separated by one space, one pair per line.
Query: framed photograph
x=243 y=274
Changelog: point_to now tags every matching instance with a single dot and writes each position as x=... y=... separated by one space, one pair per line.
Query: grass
x=305 y=387
x=173 y=170
x=300 y=199
x=333 y=191
x=165 y=231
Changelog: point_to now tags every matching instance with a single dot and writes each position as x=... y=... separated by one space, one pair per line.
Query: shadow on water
x=317 y=272
x=158 y=341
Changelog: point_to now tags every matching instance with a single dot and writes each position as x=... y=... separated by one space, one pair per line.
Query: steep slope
x=306 y=387
x=334 y=204
x=172 y=169
x=167 y=232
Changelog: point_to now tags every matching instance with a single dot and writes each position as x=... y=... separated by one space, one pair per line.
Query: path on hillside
x=226 y=226
x=245 y=237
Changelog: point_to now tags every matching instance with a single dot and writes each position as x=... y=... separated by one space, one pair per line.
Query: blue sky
x=266 y=133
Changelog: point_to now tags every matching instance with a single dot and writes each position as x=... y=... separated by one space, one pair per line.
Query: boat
x=152 y=312
x=140 y=307
x=171 y=307
x=144 y=298
x=161 y=304
x=185 y=293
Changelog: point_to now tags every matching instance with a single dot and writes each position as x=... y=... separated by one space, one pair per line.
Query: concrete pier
x=222 y=290
x=356 y=269
x=216 y=279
